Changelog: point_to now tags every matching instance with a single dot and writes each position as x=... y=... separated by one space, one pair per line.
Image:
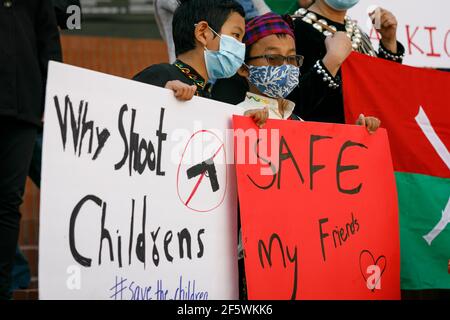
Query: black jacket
x=29 y=38
x=159 y=74
x=315 y=101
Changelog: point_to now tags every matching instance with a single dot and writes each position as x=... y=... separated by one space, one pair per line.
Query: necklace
x=360 y=41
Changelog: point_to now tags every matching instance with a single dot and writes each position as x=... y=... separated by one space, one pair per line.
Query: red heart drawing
x=367 y=257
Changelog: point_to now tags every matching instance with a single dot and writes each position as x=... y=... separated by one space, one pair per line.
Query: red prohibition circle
x=186 y=202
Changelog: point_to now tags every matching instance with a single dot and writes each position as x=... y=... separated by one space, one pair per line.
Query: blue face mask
x=341 y=5
x=274 y=82
x=227 y=61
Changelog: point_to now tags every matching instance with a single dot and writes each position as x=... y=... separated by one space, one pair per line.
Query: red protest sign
x=322 y=221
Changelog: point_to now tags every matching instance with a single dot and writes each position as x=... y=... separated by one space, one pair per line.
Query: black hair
x=190 y=12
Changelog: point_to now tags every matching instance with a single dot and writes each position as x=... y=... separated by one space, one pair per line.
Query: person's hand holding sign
x=182 y=91
x=386 y=24
x=371 y=123
x=260 y=116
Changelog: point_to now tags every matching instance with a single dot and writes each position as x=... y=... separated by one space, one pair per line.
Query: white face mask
x=225 y=62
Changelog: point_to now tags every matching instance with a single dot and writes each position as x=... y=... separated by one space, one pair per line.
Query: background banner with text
x=423 y=28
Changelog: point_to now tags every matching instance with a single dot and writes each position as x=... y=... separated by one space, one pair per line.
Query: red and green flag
x=414 y=106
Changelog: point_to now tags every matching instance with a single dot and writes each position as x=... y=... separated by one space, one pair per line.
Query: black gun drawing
x=209 y=169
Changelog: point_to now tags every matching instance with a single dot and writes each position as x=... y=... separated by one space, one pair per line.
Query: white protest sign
x=138 y=192
x=423 y=28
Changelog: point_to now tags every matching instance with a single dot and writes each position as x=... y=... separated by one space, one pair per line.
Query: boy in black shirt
x=208 y=44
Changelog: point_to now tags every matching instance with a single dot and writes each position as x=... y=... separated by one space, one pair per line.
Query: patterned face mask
x=274 y=82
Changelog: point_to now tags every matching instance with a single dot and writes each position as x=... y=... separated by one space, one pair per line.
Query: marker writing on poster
x=292 y=258
x=138 y=152
x=339 y=234
x=81 y=128
x=128 y=289
x=285 y=154
x=162 y=246
x=137 y=148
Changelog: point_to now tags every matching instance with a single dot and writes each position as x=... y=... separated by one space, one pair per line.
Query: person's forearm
x=391 y=45
x=332 y=64
x=387 y=54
